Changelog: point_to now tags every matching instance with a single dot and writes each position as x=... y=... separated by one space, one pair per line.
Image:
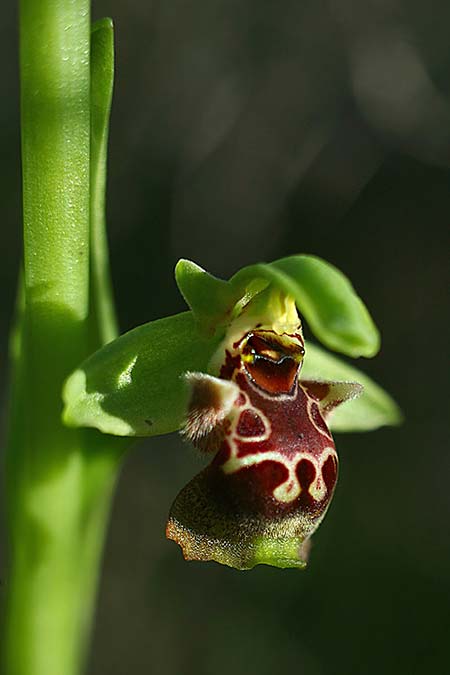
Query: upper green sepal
x=211 y=299
x=324 y=297
x=133 y=386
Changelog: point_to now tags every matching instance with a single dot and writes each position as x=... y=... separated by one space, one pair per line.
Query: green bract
x=134 y=385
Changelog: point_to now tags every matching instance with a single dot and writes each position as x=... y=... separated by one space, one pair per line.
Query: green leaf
x=103 y=322
x=325 y=297
x=133 y=386
x=373 y=409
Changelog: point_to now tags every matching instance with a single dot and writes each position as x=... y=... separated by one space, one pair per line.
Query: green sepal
x=324 y=297
x=373 y=409
x=211 y=299
x=133 y=386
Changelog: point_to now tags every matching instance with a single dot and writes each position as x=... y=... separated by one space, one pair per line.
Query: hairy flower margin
x=234 y=373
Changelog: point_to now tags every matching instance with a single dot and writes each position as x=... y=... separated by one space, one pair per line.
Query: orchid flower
x=235 y=375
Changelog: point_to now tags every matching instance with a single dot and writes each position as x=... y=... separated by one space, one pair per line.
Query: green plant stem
x=59 y=481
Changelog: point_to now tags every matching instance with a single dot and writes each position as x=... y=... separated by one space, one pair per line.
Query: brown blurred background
x=245 y=130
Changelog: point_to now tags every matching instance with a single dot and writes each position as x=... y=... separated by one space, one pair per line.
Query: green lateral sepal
x=133 y=386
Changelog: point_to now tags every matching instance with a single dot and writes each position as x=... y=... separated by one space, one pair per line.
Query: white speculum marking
x=290 y=489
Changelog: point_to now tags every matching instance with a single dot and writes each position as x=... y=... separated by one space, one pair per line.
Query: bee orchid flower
x=237 y=378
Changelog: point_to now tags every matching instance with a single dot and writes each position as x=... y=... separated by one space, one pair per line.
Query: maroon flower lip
x=275 y=465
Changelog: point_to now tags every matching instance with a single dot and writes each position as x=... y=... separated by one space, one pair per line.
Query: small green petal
x=133 y=386
x=373 y=409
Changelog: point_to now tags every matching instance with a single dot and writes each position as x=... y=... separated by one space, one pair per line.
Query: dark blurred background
x=245 y=130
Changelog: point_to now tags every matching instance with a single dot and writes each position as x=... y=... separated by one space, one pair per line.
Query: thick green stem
x=59 y=480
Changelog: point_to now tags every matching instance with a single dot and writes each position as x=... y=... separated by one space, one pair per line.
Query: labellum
x=275 y=465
